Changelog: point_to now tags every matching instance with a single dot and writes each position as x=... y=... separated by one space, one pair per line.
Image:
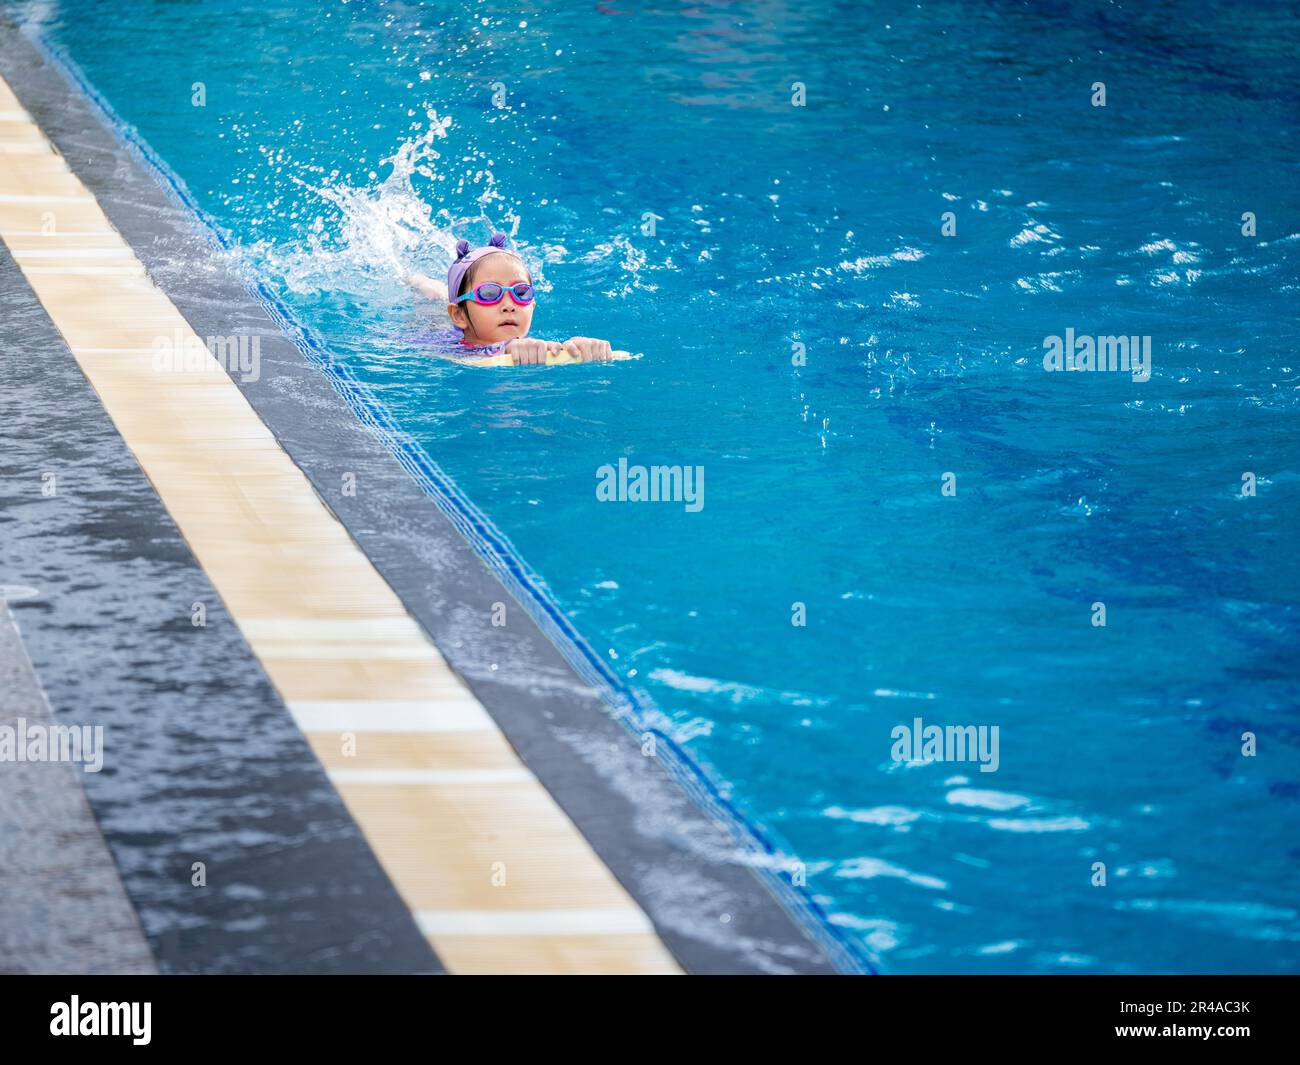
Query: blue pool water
x=321 y=151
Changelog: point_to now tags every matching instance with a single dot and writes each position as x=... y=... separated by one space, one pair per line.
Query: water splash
x=370 y=237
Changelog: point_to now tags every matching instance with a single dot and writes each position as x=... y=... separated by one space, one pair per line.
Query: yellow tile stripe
x=497 y=876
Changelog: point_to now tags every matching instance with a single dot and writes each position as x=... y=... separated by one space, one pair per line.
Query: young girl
x=489 y=294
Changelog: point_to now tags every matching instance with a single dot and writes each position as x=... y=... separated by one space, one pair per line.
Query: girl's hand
x=526 y=352
x=588 y=349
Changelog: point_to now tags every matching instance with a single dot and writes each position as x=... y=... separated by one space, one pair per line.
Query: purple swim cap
x=466 y=258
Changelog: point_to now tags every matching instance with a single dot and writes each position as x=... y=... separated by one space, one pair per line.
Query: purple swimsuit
x=449 y=343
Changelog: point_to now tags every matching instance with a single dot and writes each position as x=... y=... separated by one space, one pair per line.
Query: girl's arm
x=428 y=287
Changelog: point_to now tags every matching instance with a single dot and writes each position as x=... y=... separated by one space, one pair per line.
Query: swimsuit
x=450 y=344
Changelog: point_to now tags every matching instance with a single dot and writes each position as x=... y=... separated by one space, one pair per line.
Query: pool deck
x=66 y=911
x=415 y=812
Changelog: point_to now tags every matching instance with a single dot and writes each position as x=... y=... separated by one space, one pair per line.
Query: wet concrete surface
x=65 y=910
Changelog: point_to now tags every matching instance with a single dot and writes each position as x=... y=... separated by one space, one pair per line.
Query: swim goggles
x=489 y=293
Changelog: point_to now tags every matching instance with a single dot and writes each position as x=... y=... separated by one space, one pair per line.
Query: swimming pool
x=822 y=226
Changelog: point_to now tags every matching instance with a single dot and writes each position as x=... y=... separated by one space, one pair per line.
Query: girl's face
x=499 y=321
